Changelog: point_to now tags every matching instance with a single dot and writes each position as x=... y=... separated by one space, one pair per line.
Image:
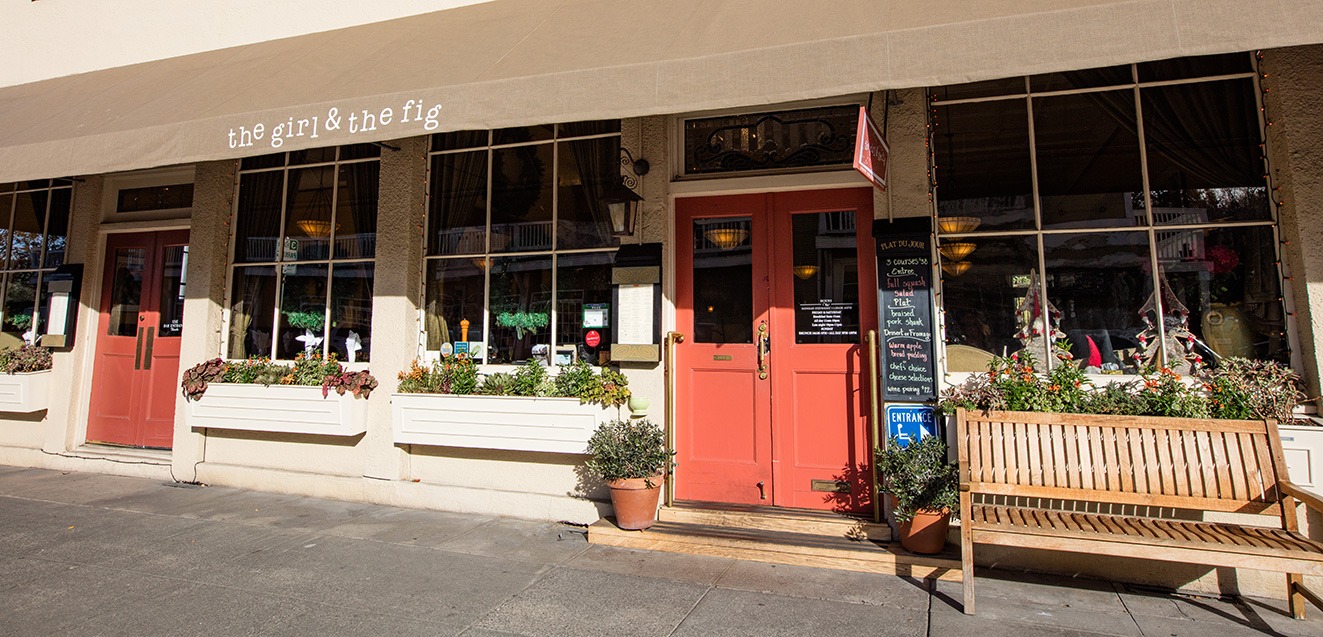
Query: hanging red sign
x=870 y=151
x=592 y=338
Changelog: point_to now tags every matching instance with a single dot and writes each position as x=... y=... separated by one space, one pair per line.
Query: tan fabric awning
x=519 y=62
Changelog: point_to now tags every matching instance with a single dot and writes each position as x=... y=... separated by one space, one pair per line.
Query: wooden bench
x=1132 y=487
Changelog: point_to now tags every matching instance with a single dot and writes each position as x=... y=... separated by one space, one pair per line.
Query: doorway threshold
x=139 y=455
x=769 y=518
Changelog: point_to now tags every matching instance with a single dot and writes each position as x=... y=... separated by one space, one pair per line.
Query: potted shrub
x=630 y=455
x=25 y=384
x=314 y=395
x=924 y=488
x=449 y=403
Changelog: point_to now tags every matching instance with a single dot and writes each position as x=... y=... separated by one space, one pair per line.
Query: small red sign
x=592 y=338
x=870 y=151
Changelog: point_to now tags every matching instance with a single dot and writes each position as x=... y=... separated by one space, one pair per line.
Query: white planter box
x=279 y=408
x=518 y=423
x=1303 y=447
x=25 y=392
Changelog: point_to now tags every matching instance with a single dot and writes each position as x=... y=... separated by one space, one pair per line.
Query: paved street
x=88 y=554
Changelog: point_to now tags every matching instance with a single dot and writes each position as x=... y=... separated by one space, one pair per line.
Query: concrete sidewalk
x=90 y=554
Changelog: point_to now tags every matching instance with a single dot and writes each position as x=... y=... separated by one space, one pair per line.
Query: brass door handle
x=764 y=347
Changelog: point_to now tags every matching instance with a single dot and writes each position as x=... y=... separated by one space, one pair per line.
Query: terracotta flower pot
x=926 y=533
x=635 y=503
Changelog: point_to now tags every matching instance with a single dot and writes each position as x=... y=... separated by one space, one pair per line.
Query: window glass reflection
x=350 y=332
x=1101 y=283
x=1088 y=160
x=302 y=309
x=983 y=170
x=521 y=309
x=984 y=282
x=723 y=280
x=454 y=295
x=825 y=276
x=1227 y=281
x=1204 y=160
x=252 y=315
x=522 y=198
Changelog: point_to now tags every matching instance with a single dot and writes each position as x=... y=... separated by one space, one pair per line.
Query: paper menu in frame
x=634 y=315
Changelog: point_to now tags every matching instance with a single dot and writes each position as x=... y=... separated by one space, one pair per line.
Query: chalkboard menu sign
x=905 y=315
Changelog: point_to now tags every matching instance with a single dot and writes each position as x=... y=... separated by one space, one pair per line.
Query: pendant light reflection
x=956 y=268
x=805 y=272
x=726 y=238
x=958 y=251
x=957 y=225
x=482 y=262
x=315 y=219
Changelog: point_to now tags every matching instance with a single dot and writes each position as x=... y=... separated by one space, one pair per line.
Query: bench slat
x=1214 y=536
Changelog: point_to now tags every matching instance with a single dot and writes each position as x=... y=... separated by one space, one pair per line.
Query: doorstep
x=799 y=538
x=135 y=455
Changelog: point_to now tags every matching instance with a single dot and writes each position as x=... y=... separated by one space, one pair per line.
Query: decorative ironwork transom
x=770 y=141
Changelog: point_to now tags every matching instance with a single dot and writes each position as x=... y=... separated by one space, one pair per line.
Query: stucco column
x=907 y=165
x=1294 y=106
x=204 y=295
x=401 y=211
x=66 y=417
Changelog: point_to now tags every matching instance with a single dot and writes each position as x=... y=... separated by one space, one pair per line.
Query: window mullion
x=276 y=328
x=489 y=262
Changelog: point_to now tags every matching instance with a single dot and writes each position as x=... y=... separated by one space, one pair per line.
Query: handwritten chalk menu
x=904 y=274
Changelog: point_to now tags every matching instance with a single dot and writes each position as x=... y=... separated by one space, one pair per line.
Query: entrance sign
x=909 y=423
x=905 y=314
x=871 y=151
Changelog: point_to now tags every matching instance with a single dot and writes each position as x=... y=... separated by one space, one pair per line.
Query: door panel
x=818 y=372
x=136 y=366
x=721 y=296
x=786 y=422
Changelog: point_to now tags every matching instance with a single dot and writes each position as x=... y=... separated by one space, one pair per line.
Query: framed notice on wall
x=636 y=323
x=905 y=309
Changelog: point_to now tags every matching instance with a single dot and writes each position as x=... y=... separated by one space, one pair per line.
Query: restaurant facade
x=1142 y=177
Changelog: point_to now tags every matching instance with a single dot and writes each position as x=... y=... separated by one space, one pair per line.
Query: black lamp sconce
x=621 y=199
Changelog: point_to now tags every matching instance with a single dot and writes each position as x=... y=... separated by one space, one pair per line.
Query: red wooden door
x=773 y=293
x=135 y=374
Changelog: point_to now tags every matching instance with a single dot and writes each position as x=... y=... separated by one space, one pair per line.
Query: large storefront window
x=305 y=242
x=519 y=243
x=34 y=231
x=1126 y=207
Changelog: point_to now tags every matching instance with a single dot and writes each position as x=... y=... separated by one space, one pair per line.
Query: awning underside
x=520 y=62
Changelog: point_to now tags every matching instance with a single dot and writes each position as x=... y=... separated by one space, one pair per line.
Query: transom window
x=519 y=242
x=1126 y=205
x=305 y=242
x=776 y=141
x=34 y=233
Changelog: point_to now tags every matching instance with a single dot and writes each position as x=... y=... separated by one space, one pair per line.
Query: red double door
x=136 y=373
x=774 y=292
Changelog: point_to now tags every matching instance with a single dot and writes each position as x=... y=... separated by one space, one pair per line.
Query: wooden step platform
x=777 y=519
x=781 y=547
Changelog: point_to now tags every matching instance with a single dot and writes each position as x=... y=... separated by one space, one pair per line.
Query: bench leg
x=967 y=570
x=1293 y=596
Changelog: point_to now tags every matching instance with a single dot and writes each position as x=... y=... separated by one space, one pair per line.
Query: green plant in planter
x=25 y=358
x=496 y=384
x=523 y=321
x=300 y=319
x=19 y=321
x=626 y=449
x=1252 y=390
x=454 y=374
x=531 y=380
x=197 y=378
x=919 y=477
x=607 y=388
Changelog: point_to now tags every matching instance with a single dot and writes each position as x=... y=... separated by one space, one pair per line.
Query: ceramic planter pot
x=635 y=503
x=926 y=533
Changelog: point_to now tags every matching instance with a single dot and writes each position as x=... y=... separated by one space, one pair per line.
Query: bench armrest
x=1309 y=498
